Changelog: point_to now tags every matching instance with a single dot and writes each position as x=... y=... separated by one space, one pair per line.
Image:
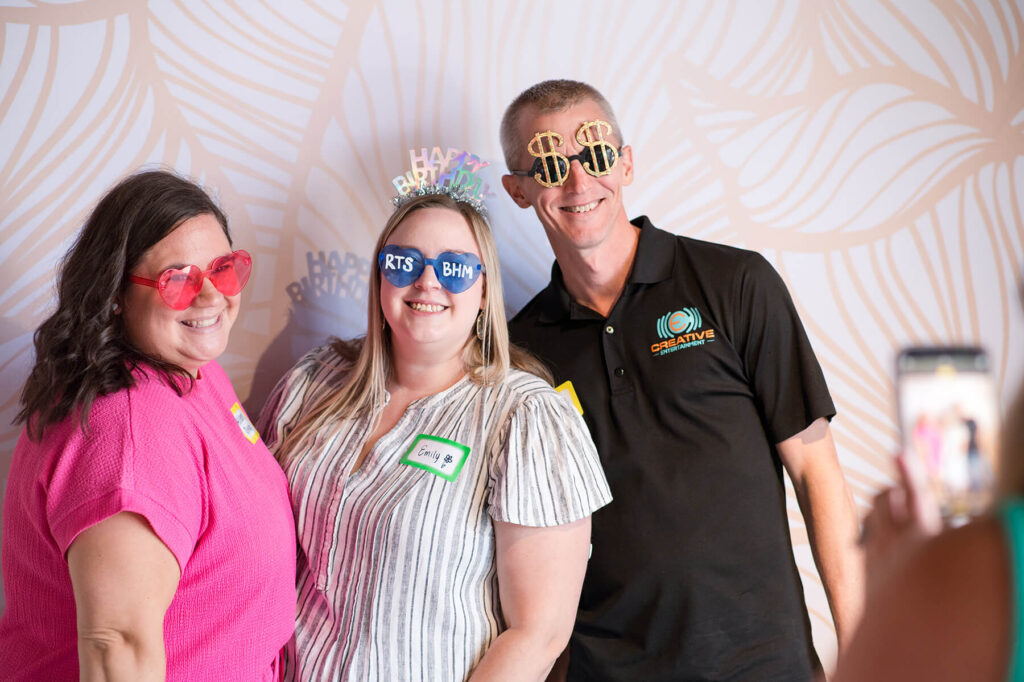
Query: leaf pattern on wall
x=872 y=150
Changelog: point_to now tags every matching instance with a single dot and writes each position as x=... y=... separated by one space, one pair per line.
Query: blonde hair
x=486 y=357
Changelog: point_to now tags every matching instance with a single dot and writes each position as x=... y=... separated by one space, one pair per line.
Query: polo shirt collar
x=655 y=254
x=654 y=260
x=556 y=303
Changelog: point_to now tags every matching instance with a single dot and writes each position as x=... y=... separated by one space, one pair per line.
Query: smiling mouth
x=201 y=324
x=584 y=208
x=426 y=307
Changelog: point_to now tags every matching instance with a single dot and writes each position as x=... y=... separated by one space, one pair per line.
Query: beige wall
x=873 y=150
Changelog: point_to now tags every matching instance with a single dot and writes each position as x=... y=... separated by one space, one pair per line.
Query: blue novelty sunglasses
x=401 y=266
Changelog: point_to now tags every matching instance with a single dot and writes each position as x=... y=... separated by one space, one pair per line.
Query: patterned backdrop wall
x=873 y=150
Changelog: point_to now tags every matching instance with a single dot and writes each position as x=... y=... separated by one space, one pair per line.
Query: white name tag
x=248 y=430
x=439 y=456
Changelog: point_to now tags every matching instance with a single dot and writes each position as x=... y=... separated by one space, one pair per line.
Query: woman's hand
x=540 y=575
x=901 y=518
x=124 y=579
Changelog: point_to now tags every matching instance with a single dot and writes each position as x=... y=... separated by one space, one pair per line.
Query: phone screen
x=949 y=418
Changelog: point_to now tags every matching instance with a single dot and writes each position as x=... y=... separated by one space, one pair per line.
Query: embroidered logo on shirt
x=439 y=456
x=248 y=430
x=566 y=388
x=680 y=329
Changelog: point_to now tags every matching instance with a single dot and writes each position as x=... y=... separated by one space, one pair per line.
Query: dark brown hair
x=82 y=351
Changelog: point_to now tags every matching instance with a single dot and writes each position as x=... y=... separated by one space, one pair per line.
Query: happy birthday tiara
x=455 y=174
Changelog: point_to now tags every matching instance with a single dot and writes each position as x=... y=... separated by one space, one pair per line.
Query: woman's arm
x=124 y=578
x=540 y=574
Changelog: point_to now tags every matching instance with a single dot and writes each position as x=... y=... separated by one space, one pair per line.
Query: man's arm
x=831 y=519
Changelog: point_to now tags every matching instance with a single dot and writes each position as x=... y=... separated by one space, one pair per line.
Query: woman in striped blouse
x=442 y=491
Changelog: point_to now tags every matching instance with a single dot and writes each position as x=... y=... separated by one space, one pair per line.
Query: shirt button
x=619 y=372
x=609 y=329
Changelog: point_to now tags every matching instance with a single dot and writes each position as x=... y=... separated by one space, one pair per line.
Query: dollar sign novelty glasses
x=455 y=271
x=178 y=287
x=551 y=168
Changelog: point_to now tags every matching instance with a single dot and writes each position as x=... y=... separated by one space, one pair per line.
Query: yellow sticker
x=568 y=389
x=248 y=430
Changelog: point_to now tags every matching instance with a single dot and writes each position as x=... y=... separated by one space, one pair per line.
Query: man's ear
x=626 y=159
x=511 y=185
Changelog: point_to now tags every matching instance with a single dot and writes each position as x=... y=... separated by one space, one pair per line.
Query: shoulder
x=322 y=365
x=720 y=259
x=739 y=285
x=522 y=385
x=151 y=396
x=316 y=373
x=528 y=397
x=711 y=266
x=531 y=312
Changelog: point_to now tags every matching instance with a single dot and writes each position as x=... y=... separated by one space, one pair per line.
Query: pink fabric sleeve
x=141 y=455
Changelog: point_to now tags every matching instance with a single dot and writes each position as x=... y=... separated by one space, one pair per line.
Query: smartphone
x=949 y=419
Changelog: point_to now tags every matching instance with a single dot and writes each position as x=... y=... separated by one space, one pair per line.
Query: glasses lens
x=457 y=271
x=599 y=163
x=231 y=273
x=401 y=267
x=550 y=171
x=178 y=288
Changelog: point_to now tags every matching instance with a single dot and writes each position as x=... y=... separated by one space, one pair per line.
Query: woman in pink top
x=147 y=529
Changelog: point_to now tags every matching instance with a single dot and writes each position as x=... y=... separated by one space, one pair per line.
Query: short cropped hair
x=547 y=96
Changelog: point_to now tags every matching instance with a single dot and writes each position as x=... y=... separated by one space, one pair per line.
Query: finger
x=920 y=503
x=877 y=517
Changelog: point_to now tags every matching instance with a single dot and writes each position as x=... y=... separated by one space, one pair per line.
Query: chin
x=205 y=357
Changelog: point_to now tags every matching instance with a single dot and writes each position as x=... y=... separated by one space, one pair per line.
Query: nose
x=208 y=294
x=428 y=279
x=578 y=180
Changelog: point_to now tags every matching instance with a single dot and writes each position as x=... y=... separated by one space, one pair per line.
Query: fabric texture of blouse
x=396 y=568
x=196 y=470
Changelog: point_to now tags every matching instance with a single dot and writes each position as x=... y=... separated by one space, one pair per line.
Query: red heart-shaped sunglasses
x=178 y=287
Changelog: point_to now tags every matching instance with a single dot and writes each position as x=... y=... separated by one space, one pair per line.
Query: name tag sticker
x=248 y=430
x=566 y=388
x=439 y=456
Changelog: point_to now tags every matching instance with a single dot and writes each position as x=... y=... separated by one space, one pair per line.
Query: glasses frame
x=478 y=267
x=537 y=173
x=160 y=284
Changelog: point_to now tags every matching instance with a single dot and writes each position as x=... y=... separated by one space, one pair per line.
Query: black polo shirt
x=700 y=368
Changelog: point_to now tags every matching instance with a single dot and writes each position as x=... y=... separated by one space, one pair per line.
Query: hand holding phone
x=949 y=419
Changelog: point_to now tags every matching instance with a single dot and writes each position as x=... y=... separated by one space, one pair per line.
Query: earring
x=116 y=308
x=480 y=325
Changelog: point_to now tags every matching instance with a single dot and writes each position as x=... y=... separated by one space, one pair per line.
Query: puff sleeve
x=544 y=468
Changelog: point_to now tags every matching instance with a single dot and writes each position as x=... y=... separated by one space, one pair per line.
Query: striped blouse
x=396 y=570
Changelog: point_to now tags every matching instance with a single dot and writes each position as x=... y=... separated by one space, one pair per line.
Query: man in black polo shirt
x=695 y=376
